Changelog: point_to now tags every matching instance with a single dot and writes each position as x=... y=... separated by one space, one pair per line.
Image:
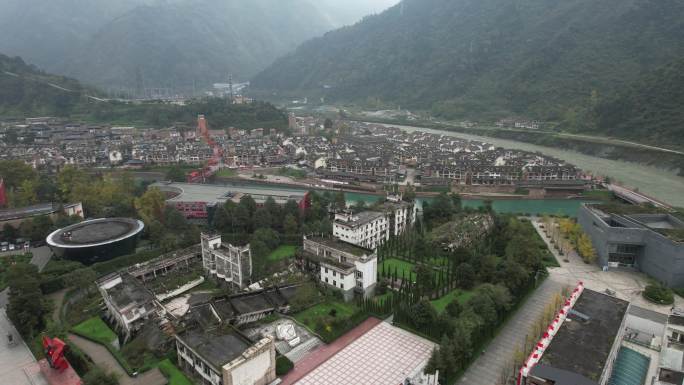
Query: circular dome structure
x=96 y=240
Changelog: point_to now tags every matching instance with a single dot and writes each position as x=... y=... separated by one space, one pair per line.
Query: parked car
x=4 y=246
x=11 y=247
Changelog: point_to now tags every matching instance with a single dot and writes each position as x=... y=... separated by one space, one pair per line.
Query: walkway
x=322 y=354
x=626 y=283
x=489 y=367
x=17 y=364
x=102 y=358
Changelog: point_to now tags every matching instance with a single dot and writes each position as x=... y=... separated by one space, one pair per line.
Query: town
x=313 y=152
x=229 y=256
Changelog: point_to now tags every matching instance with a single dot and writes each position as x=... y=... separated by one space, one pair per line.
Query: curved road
x=102 y=357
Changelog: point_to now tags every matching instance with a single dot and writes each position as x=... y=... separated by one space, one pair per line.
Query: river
x=567 y=207
x=658 y=183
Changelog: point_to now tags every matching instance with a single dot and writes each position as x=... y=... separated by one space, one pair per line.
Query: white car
x=4 y=248
x=11 y=246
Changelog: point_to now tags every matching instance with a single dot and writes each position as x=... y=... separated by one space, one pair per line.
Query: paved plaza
x=489 y=367
x=17 y=364
x=383 y=355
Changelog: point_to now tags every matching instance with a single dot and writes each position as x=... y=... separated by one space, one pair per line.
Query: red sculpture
x=55 y=349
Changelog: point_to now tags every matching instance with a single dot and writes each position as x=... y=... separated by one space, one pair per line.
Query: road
x=488 y=368
x=628 y=285
x=589 y=138
x=102 y=358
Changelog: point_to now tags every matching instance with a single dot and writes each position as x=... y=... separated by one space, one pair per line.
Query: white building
x=371 y=229
x=225 y=262
x=368 y=229
x=221 y=356
x=129 y=304
x=401 y=214
x=344 y=266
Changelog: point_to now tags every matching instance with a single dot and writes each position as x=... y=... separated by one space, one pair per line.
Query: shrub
x=283 y=365
x=659 y=294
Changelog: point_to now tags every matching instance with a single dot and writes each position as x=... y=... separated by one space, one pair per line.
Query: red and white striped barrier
x=548 y=335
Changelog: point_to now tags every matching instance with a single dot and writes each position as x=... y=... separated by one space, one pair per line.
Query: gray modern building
x=650 y=242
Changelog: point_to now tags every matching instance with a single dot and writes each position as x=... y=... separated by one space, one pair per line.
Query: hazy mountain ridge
x=24 y=90
x=163 y=43
x=488 y=59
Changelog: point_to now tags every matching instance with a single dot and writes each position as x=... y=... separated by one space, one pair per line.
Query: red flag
x=3 y=196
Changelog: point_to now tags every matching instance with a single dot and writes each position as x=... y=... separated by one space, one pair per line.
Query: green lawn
x=309 y=316
x=175 y=376
x=401 y=266
x=96 y=330
x=226 y=172
x=462 y=296
x=282 y=252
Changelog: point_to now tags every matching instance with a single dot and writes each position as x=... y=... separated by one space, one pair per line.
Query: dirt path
x=57 y=299
x=102 y=358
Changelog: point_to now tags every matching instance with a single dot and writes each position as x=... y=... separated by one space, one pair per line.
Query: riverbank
x=662 y=184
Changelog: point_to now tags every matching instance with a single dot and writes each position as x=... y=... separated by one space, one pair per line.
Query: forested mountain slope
x=25 y=92
x=157 y=43
x=488 y=59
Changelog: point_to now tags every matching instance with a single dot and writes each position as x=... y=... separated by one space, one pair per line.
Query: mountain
x=179 y=44
x=156 y=43
x=195 y=42
x=486 y=59
x=26 y=91
x=650 y=108
x=348 y=12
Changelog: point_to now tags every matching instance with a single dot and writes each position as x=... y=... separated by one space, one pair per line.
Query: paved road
x=488 y=368
x=102 y=358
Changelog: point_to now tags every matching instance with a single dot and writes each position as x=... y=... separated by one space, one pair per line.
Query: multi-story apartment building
x=368 y=229
x=226 y=263
x=344 y=266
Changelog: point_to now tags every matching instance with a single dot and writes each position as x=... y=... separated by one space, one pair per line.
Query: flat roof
x=341 y=245
x=251 y=303
x=129 y=291
x=211 y=193
x=28 y=211
x=95 y=232
x=384 y=355
x=582 y=346
x=361 y=218
x=217 y=346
